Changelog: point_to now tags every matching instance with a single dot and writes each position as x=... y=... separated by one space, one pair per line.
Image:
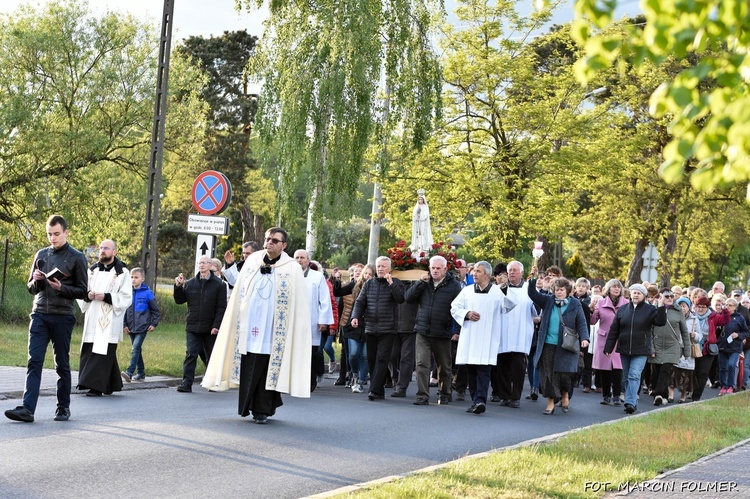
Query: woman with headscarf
x=683 y=378
x=708 y=321
x=421 y=232
x=608 y=367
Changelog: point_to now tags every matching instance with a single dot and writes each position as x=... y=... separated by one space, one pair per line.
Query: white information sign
x=204 y=224
x=206 y=245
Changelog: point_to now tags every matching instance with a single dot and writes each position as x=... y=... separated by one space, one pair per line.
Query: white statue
x=421 y=233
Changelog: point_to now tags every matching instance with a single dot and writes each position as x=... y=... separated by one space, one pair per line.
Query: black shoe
x=515 y=404
x=20 y=413
x=422 y=401
x=185 y=388
x=460 y=396
x=340 y=382
x=375 y=396
x=658 y=400
x=443 y=400
x=388 y=385
x=62 y=414
x=478 y=408
x=504 y=403
x=398 y=393
x=93 y=393
x=549 y=412
x=260 y=418
x=629 y=409
x=534 y=394
x=495 y=398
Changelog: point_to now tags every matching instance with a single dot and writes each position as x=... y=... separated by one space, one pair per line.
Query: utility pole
x=153 y=197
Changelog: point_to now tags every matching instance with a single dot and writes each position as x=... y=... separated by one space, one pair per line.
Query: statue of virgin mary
x=421 y=233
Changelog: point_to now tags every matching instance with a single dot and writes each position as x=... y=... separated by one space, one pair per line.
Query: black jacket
x=737 y=325
x=434 y=314
x=207 y=301
x=75 y=284
x=378 y=303
x=631 y=329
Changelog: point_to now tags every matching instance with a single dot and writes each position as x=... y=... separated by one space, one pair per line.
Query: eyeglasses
x=204 y=263
x=274 y=240
x=667 y=295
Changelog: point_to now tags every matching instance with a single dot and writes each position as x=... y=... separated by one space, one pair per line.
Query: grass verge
x=626 y=451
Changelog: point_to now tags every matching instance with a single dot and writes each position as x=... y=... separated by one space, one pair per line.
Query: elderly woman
x=558 y=367
x=670 y=342
x=608 y=366
x=631 y=332
x=708 y=321
x=683 y=373
x=730 y=346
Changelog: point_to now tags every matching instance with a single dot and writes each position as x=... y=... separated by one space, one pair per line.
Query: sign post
x=211 y=194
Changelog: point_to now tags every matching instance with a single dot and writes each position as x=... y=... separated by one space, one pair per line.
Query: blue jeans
x=328 y=348
x=45 y=328
x=136 y=359
x=632 y=367
x=746 y=370
x=728 y=368
x=358 y=358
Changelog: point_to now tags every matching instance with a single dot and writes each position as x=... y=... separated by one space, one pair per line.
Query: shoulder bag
x=570 y=336
x=695 y=348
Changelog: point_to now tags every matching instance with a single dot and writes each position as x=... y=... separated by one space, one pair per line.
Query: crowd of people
x=265 y=324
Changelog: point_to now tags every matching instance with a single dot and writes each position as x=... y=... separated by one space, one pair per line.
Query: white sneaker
x=357 y=388
x=332 y=367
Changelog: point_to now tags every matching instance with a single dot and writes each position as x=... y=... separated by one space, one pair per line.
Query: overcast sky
x=213 y=17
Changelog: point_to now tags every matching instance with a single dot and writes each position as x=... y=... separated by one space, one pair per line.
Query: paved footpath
x=725 y=474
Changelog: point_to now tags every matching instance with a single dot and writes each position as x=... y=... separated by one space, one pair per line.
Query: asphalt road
x=161 y=443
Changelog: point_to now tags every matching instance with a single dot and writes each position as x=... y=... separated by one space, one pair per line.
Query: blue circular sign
x=211 y=192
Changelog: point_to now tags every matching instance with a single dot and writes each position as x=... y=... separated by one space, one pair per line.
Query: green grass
x=163 y=350
x=629 y=450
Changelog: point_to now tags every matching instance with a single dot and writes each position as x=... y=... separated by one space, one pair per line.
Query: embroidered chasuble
x=479 y=340
x=103 y=322
x=255 y=322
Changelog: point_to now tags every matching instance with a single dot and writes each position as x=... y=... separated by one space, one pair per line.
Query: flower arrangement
x=402 y=258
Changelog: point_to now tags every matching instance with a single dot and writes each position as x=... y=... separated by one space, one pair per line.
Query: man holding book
x=52 y=317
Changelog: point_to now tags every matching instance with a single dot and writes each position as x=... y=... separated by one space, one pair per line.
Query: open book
x=55 y=274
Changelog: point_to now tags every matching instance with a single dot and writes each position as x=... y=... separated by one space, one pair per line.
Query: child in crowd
x=141 y=317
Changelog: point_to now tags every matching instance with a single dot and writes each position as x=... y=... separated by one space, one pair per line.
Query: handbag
x=713 y=349
x=570 y=336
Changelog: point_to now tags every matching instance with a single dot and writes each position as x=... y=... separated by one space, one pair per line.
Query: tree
x=74 y=96
x=709 y=123
x=321 y=65
x=232 y=113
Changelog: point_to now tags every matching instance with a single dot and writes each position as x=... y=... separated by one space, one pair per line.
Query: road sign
x=649 y=274
x=202 y=224
x=211 y=192
x=206 y=246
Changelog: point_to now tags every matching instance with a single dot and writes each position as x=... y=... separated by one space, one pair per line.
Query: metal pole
x=153 y=197
x=5 y=268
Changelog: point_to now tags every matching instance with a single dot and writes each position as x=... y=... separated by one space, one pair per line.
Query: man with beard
x=268 y=321
x=110 y=293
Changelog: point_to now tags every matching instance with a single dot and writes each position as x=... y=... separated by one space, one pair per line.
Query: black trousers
x=702 y=368
x=379 y=347
x=460 y=373
x=511 y=372
x=611 y=382
x=479 y=382
x=198 y=345
x=588 y=373
x=402 y=359
x=253 y=396
x=661 y=375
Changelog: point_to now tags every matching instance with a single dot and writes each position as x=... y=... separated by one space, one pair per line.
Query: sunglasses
x=274 y=240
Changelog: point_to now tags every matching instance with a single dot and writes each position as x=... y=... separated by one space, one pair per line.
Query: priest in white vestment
x=268 y=322
x=515 y=339
x=321 y=310
x=110 y=293
x=479 y=308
